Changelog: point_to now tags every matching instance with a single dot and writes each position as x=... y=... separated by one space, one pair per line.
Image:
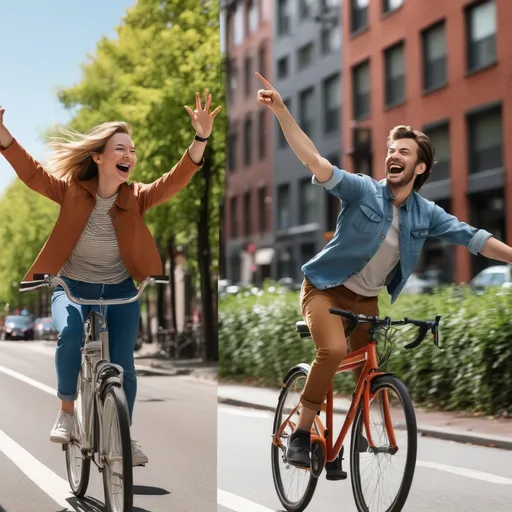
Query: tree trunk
x=204 y=263
x=172 y=283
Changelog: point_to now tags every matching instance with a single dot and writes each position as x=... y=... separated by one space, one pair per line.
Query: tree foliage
x=27 y=220
x=164 y=52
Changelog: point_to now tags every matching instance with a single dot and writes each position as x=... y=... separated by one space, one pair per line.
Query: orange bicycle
x=381 y=404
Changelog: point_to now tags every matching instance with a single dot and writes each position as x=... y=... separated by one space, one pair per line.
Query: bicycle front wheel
x=294 y=486
x=382 y=476
x=77 y=464
x=117 y=451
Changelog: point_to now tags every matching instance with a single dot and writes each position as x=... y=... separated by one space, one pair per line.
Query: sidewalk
x=438 y=424
x=149 y=358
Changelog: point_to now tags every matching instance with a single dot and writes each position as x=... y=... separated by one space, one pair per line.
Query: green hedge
x=472 y=373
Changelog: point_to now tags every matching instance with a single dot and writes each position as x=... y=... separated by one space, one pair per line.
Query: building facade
x=306 y=54
x=444 y=68
x=248 y=200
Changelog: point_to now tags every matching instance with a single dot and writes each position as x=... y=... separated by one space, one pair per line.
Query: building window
x=248 y=141
x=330 y=39
x=281 y=142
x=283 y=17
x=481 y=34
x=262 y=134
x=247 y=76
x=232 y=148
x=283 y=206
x=262 y=60
x=332 y=103
x=391 y=5
x=307 y=110
x=282 y=67
x=305 y=55
x=233 y=217
x=253 y=16
x=434 y=56
x=308 y=205
x=307 y=252
x=232 y=79
x=247 y=213
x=238 y=25
x=440 y=137
x=395 y=74
x=306 y=9
x=262 y=209
x=361 y=90
x=485 y=140
x=358 y=15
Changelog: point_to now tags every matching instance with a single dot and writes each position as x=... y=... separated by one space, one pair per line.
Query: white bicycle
x=101 y=424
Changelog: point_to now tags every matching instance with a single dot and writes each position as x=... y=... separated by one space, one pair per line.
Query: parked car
x=496 y=275
x=44 y=329
x=18 y=327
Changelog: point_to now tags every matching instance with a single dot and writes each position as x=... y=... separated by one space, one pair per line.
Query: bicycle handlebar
x=375 y=321
x=41 y=280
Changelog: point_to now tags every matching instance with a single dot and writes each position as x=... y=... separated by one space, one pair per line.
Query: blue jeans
x=122 y=322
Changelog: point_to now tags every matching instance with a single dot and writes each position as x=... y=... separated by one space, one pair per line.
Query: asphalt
x=457 y=427
x=175 y=421
x=449 y=476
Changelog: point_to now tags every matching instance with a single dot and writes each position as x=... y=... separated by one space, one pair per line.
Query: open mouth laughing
x=123 y=167
x=395 y=168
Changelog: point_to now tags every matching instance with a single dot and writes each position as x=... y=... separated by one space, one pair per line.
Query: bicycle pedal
x=335 y=474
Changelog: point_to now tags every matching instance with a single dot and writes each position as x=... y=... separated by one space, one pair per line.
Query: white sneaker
x=61 y=430
x=138 y=456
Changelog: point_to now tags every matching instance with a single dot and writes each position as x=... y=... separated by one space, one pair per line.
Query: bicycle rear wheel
x=78 y=466
x=294 y=486
x=117 y=451
x=393 y=471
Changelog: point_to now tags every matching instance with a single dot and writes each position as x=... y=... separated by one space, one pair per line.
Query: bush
x=472 y=372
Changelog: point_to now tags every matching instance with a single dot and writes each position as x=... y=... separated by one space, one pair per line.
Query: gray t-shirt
x=370 y=281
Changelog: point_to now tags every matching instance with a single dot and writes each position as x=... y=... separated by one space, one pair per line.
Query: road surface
x=175 y=422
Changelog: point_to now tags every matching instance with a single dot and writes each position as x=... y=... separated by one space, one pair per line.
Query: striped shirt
x=95 y=257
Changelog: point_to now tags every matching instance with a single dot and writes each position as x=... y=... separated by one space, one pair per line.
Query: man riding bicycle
x=379 y=235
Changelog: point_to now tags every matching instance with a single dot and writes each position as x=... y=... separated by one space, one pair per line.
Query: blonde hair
x=73 y=151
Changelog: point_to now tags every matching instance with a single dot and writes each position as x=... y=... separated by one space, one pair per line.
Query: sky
x=42 y=48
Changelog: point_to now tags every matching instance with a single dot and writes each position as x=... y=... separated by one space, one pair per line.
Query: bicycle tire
x=380 y=383
x=115 y=393
x=276 y=452
x=78 y=488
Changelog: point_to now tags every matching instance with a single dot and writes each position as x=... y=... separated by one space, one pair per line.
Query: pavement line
x=239 y=504
x=469 y=473
x=28 y=380
x=49 y=482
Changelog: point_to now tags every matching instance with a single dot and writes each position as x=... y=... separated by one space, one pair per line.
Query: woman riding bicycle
x=100 y=244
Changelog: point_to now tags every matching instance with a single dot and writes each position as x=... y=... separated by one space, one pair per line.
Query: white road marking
x=28 y=380
x=53 y=485
x=469 y=473
x=244 y=412
x=239 y=504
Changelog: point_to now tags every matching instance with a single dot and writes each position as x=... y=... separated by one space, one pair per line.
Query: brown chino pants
x=328 y=334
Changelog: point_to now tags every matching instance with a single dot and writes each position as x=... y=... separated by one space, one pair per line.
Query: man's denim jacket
x=364 y=220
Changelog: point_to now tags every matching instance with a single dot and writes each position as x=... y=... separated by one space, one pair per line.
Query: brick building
x=444 y=67
x=247 y=205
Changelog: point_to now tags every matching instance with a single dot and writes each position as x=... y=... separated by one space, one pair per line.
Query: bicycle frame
x=367 y=358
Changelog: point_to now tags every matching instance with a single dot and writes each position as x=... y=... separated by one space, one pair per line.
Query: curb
x=502 y=443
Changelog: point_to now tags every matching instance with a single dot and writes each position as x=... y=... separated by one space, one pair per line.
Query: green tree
x=27 y=220
x=164 y=52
